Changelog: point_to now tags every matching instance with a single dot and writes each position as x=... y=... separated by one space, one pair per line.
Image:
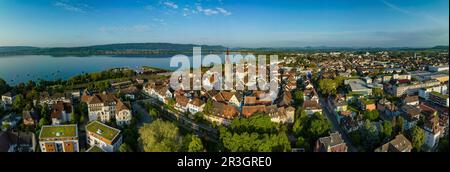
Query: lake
x=16 y=69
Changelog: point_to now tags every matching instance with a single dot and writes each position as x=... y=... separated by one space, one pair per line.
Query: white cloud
x=223 y=11
x=81 y=8
x=171 y=4
x=209 y=12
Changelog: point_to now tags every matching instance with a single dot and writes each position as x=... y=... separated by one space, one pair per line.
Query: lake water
x=16 y=69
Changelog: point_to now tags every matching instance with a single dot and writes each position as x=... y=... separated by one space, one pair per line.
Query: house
x=10 y=121
x=105 y=137
x=45 y=98
x=11 y=141
x=344 y=114
x=399 y=144
x=387 y=109
x=411 y=100
x=281 y=114
x=29 y=117
x=181 y=103
x=130 y=92
x=250 y=100
x=59 y=138
x=410 y=115
x=222 y=113
x=195 y=105
x=439 y=99
x=366 y=104
x=340 y=103
x=350 y=124
x=358 y=85
x=230 y=98
x=433 y=131
x=105 y=107
x=159 y=90
x=285 y=99
x=60 y=113
x=248 y=111
x=8 y=99
x=432 y=128
x=310 y=94
x=332 y=143
x=311 y=107
x=95 y=149
x=123 y=113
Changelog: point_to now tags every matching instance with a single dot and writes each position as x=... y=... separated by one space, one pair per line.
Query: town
x=335 y=101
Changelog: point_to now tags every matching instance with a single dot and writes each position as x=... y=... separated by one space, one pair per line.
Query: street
x=328 y=110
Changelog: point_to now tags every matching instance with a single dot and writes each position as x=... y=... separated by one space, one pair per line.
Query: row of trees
x=163 y=136
x=254 y=134
x=329 y=86
x=308 y=129
x=99 y=76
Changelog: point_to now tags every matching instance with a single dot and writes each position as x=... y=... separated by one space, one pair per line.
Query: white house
x=195 y=105
x=8 y=99
x=105 y=107
x=60 y=113
x=59 y=138
x=181 y=103
x=105 y=137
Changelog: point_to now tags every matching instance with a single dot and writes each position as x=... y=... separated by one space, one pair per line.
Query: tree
x=195 y=144
x=160 y=136
x=387 y=129
x=209 y=107
x=443 y=144
x=152 y=112
x=318 y=126
x=417 y=136
x=327 y=86
x=42 y=122
x=4 y=87
x=370 y=135
x=301 y=122
x=400 y=125
x=298 y=97
x=125 y=148
x=302 y=143
x=19 y=102
x=73 y=118
x=378 y=92
x=371 y=115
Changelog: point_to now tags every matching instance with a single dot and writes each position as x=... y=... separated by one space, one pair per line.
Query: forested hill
x=109 y=49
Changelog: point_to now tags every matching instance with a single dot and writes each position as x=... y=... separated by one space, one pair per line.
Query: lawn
x=58 y=131
x=107 y=132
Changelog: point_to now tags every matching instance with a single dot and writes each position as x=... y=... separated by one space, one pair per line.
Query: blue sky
x=233 y=23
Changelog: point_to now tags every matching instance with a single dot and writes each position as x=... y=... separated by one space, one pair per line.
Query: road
x=145 y=117
x=328 y=109
x=200 y=129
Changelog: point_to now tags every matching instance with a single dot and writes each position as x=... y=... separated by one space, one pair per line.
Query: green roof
x=366 y=102
x=355 y=93
x=58 y=131
x=95 y=149
x=102 y=130
x=439 y=95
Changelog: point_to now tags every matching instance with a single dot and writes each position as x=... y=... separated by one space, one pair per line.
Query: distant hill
x=16 y=48
x=169 y=48
x=109 y=49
